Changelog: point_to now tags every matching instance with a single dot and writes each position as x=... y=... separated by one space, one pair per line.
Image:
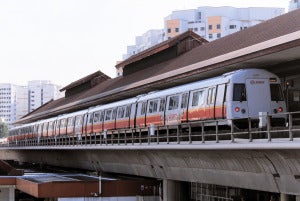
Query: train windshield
x=276 y=92
x=239 y=92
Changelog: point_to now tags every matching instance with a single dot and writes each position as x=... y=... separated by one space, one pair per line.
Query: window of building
x=210 y=36
x=169 y=30
x=202 y=28
x=196 y=29
x=199 y=15
x=176 y=29
x=218 y=35
x=210 y=27
x=232 y=26
x=218 y=26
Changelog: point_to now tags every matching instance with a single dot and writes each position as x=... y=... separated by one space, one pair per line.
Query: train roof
x=114 y=104
x=186 y=87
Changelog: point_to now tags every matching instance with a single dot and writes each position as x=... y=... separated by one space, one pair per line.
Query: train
x=234 y=97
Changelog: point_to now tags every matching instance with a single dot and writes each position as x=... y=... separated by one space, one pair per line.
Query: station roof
x=50 y=185
x=271 y=45
x=161 y=46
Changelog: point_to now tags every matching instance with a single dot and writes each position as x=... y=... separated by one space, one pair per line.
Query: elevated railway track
x=265 y=159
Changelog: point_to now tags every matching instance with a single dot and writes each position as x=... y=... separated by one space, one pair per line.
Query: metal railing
x=185 y=133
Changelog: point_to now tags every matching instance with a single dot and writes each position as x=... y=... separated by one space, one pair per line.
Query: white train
x=235 y=96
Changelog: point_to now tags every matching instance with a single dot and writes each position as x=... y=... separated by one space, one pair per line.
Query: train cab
x=255 y=91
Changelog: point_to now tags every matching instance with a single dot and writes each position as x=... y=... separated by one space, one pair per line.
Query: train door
x=184 y=107
x=97 y=121
x=176 y=110
x=84 y=124
x=155 y=113
x=123 y=117
x=110 y=119
x=132 y=115
x=70 y=126
x=258 y=96
x=78 y=128
x=89 y=123
x=220 y=103
x=210 y=103
x=141 y=114
x=196 y=110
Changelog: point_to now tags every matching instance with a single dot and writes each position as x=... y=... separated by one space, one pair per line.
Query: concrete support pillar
x=7 y=193
x=297 y=197
x=172 y=190
x=284 y=197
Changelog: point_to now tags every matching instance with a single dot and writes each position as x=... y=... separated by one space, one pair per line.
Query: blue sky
x=65 y=40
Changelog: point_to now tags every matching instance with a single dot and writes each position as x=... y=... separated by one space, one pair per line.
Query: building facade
x=41 y=92
x=13 y=102
x=210 y=23
x=17 y=101
x=294 y=4
x=143 y=42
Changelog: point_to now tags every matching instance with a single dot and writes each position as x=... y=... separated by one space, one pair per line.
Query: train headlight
x=237 y=109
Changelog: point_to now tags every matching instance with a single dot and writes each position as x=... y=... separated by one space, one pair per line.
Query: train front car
x=254 y=92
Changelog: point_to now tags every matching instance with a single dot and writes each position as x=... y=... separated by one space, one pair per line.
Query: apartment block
x=17 y=101
x=143 y=42
x=41 y=92
x=294 y=4
x=13 y=102
x=210 y=23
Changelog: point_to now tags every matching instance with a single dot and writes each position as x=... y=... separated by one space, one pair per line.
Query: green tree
x=3 y=129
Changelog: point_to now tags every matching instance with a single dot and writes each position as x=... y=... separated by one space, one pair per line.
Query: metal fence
x=185 y=133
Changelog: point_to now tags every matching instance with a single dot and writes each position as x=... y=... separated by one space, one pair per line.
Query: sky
x=65 y=40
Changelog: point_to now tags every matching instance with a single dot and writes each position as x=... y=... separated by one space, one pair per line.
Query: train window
x=96 y=117
x=127 y=113
x=153 y=106
x=143 y=110
x=114 y=114
x=209 y=94
x=90 y=118
x=276 y=92
x=239 y=92
x=62 y=123
x=78 y=121
x=121 y=111
x=162 y=104
x=108 y=114
x=197 y=98
x=40 y=128
x=70 y=121
x=173 y=102
x=45 y=126
x=184 y=101
x=212 y=96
